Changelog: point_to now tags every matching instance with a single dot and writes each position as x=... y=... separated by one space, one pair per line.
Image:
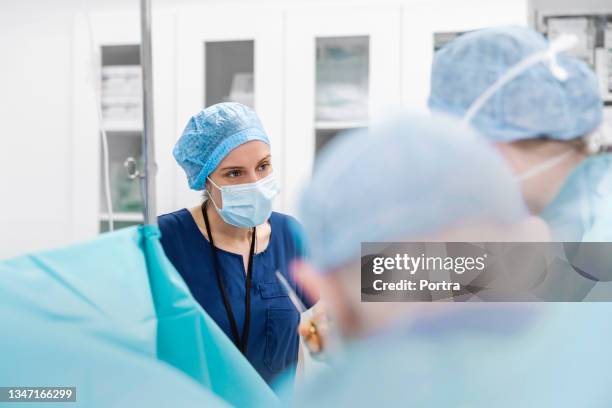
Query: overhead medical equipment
x=596 y=140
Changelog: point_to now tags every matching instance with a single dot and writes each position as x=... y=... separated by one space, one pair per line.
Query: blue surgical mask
x=247 y=205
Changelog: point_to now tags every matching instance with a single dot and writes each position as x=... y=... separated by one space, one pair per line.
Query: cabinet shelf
x=123 y=217
x=333 y=124
x=122 y=126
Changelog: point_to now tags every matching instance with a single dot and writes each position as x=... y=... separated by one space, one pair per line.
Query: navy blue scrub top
x=273 y=340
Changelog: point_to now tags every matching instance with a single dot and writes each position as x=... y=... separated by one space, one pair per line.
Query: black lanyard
x=241 y=343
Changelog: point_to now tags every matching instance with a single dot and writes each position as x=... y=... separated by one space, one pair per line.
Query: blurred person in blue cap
x=228 y=249
x=412 y=179
x=546 y=120
x=422 y=179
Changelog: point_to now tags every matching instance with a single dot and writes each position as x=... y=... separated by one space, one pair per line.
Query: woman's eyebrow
x=266 y=158
x=231 y=168
x=242 y=167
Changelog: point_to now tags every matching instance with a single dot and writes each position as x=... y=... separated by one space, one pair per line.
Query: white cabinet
x=342 y=71
x=309 y=69
x=106 y=86
x=230 y=53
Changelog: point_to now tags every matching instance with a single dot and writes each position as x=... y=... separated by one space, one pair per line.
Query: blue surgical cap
x=407 y=179
x=535 y=104
x=210 y=135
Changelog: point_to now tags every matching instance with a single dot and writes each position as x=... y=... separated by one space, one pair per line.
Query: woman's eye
x=233 y=173
x=264 y=166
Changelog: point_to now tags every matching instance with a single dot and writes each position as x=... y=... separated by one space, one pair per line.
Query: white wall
x=35 y=67
x=35 y=122
x=35 y=110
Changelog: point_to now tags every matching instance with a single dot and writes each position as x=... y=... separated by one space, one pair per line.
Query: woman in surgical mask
x=543 y=111
x=228 y=249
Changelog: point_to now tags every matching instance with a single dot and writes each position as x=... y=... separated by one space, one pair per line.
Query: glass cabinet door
x=229 y=72
x=343 y=71
x=342 y=86
x=121 y=94
x=233 y=57
x=107 y=77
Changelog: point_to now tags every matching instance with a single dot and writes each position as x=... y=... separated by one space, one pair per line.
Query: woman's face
x=248 y=163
